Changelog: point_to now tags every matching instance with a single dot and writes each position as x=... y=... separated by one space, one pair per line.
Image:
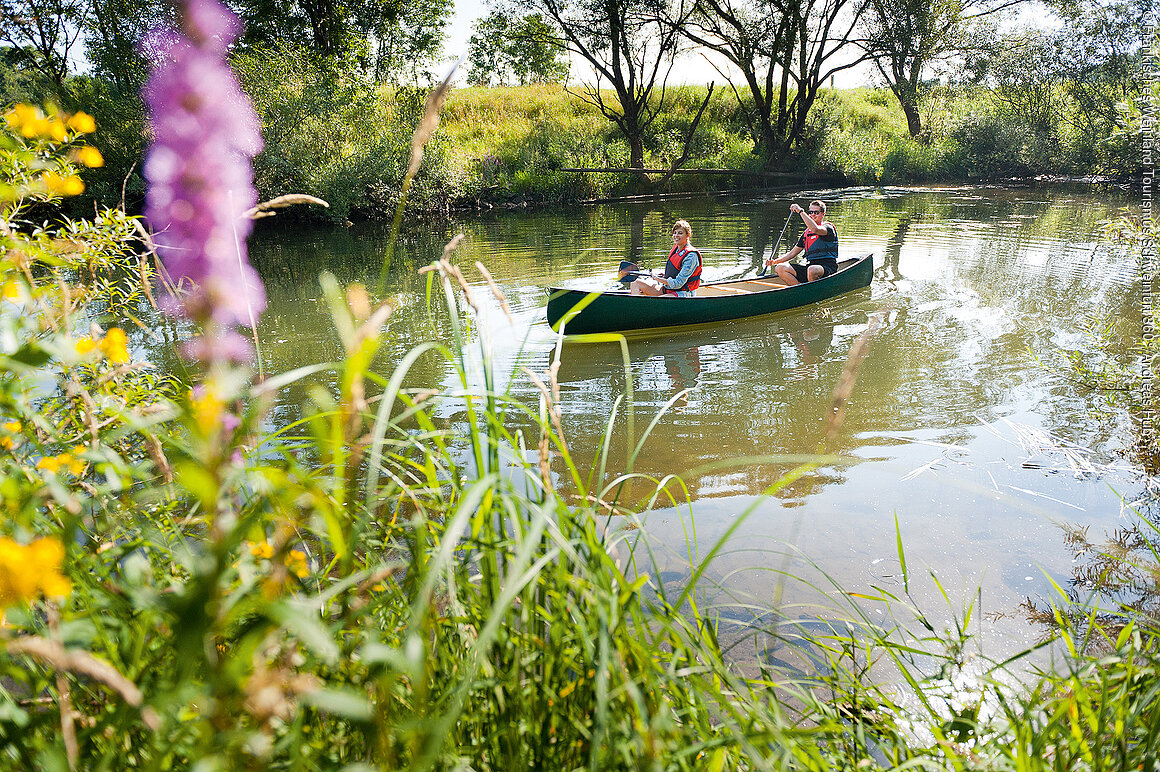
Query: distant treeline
x=340 y=88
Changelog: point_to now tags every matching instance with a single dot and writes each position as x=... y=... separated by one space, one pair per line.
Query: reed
x=376 y=586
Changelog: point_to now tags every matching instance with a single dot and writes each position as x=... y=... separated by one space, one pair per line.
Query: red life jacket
x=823 y=250
x=673 y=269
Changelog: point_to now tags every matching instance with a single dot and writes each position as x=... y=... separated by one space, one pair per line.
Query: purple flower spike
x=209 y=25
x=198 y=169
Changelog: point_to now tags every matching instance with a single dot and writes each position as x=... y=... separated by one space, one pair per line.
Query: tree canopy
x=503 y=51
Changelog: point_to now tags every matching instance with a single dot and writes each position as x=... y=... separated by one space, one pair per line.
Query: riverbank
x=419 y=570
x=511 y=147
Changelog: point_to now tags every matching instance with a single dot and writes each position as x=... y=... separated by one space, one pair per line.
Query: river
x=958 y=426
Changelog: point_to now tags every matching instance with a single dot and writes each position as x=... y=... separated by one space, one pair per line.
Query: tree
x=785 y=50
x=523 y=51
x=903 y=38
x=45 y=31
x=1101 y=52
x=113 y=38
x=907 y=38
x=630 y=48
x=379 y=38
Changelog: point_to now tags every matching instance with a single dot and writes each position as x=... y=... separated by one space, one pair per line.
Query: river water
x=958 y=428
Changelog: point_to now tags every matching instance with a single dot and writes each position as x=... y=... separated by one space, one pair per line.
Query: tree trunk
x=635 y=150
x=913 y=119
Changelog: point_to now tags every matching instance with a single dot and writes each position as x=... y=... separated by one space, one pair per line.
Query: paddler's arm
x=790 y=255
x=811 y=226
x=689 y=264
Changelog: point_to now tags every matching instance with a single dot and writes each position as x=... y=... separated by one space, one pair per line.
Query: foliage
x=42 y=33
x=514 y=52
x=116 y=29
x=785 y=52
x=905 y=38
x=376 y=586
x=630 y=48
x=379 y=40
x=331 y=135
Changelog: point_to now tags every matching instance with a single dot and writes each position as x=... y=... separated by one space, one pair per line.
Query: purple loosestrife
x=199 y=174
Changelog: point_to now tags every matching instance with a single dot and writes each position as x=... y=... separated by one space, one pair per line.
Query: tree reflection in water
x=1114 y=582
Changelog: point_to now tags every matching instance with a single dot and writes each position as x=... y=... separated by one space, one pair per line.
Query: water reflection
x=976 y=288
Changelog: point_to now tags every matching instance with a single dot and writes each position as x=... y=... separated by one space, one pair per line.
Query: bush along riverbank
x=184 y=588
x=330 y=134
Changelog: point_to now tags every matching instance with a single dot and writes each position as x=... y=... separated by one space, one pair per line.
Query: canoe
x=617 y=311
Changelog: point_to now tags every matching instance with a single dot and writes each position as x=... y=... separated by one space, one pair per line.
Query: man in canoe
x=682 y=270
x=819 y=242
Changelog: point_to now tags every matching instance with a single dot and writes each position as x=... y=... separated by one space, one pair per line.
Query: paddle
x=777 y=246
x=628 y=272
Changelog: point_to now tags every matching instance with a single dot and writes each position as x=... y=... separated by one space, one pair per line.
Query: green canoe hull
x=622 y=312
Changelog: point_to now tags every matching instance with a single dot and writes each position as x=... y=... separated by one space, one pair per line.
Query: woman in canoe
x=819 y=242
x=682 y=270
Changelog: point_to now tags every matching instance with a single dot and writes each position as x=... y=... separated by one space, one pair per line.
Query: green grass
x=376 y=586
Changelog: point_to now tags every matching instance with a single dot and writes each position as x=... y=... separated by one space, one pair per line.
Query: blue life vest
x=817 y=248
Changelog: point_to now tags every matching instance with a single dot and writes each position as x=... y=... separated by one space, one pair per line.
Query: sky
x=689 y=69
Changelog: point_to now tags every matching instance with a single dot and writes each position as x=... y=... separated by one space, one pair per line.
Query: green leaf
x=343 y=703
x=31 y=355
x=304 y=624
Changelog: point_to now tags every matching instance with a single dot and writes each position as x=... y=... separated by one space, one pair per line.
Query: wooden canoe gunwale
x=621 y=312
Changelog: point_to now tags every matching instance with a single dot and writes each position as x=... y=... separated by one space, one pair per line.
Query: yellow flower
x=20 y=115
x=37 y=127
x=57 y=131
x=90 y=157
x=49 y=463
x=296 y=562
x=206 y=408
x=27 y=572
x=82 y=123
x=113 y=345
x=261 y=550
x=63 y=186
x=12 y=427
x=63 y=461
x=85 y=345
x=10 y=291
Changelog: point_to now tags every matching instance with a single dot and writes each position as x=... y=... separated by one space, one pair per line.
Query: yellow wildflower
x=49 y=463
x=20 y=115
x=62 y=461
x=90 y=157
x=82 y=123
x=12 y=427
x=57 y=131
x=85 y=345
x=206 y=408
x=296 y=562
x=10 y=290
x=63 y=186
x=27 y=572
x=262 y=550
x=37 y=127
x=113 y=346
